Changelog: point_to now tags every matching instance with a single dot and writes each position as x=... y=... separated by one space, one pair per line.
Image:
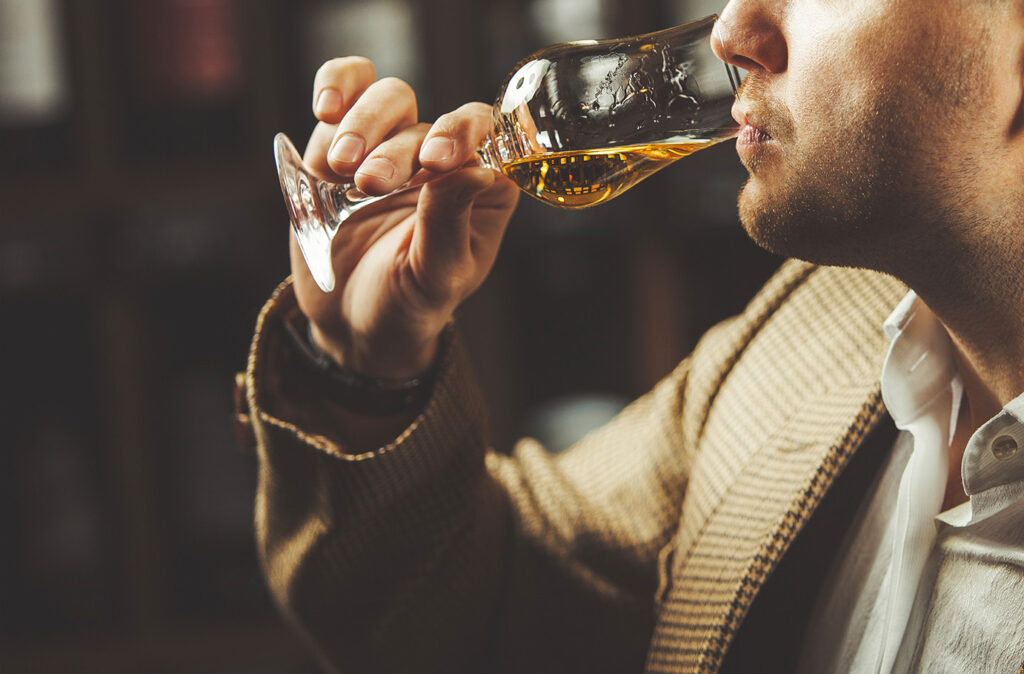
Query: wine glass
x=574 y=125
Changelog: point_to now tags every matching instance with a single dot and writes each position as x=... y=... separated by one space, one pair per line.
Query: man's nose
x=749 y=35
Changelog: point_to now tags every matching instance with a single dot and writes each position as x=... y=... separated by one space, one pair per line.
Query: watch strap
x=370 y=396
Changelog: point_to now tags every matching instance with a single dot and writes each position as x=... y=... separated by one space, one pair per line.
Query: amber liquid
x=588 y=177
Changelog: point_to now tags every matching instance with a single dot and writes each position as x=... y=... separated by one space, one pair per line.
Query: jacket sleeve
x=434 y=554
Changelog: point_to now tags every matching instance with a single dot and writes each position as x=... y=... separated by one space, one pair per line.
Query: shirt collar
x=919 y=367
x=995 y=453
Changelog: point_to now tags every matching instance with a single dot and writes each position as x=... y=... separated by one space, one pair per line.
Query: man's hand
x=405 y=264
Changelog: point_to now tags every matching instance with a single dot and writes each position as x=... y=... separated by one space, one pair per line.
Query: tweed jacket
x=642 y=548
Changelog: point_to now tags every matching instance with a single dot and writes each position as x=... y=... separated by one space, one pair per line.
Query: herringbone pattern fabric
x=645 y=543
x=807 y=395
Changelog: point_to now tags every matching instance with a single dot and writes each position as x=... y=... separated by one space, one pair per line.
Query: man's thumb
x=441 y=239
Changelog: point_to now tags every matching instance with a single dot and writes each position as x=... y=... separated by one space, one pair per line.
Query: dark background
x=141 y=229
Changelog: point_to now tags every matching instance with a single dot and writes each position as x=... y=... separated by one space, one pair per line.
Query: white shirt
x=912 y=589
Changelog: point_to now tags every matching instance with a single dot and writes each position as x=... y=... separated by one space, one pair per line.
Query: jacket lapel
x=764 y=465
x=714 y=584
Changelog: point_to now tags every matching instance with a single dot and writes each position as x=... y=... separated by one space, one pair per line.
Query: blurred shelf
x=82 y=194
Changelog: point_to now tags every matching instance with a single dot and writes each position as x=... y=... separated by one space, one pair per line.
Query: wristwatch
x=366 y=395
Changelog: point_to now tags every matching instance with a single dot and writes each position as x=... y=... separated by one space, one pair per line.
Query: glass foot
x=310 y=220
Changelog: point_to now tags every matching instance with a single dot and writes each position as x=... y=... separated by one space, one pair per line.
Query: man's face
x=874 y=125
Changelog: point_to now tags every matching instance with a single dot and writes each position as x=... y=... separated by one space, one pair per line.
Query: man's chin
x=761 y=219
x=798 y=228
x=783 y=224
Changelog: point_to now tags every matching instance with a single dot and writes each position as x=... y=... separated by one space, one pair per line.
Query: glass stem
x=340 y=200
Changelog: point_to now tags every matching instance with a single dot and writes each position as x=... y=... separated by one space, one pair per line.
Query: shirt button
x=1004 y=447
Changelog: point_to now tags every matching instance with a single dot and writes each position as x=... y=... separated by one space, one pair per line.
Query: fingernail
x=437 y=148
x=328 y=102
x=348 y=149
x=379 y=168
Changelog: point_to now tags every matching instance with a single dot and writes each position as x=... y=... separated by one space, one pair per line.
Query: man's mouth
x=752 y=138
x=750 y=127
x=751 y=134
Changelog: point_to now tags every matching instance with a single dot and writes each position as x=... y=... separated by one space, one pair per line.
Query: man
x=763 y=508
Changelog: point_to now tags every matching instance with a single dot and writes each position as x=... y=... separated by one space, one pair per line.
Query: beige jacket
x=644 y=546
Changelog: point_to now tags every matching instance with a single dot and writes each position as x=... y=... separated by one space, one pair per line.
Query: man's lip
x=752 y=142
x=748 y=126
x=751 y=135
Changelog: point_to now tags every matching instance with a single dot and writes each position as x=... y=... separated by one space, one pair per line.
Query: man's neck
x=980 y=301
x=981 y=305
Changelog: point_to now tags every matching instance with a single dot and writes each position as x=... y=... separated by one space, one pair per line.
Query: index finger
x=338 y=84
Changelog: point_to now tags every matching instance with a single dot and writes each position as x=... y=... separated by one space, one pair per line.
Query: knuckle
x=393 y=85
x=463 y=121
x=444 y=289
x=358 y=62
x=359 y=120
x=385 y=154
x=364 y=67
x=334 y=68
x=460 y=278
x=328 y=69
x=444 y=124
x=477 y=109
x=401 y=146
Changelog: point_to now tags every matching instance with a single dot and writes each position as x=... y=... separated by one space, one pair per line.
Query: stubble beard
x=808 y=218
x=824 y=202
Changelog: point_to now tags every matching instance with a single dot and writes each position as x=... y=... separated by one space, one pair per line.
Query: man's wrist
x=386 y=361
x=370 y=396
